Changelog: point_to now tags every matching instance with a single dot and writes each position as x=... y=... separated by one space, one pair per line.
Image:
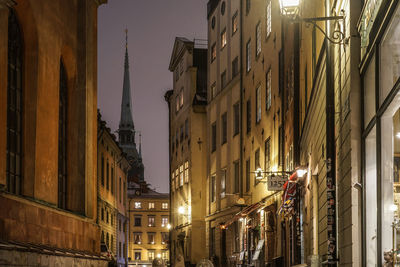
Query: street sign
x=276 y=182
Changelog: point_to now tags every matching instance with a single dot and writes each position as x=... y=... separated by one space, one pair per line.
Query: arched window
x=14 y=106
x=62 y=140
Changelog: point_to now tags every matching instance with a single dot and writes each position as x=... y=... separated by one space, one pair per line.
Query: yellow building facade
x=113 y=169
x=149 y=220
x=187 y=127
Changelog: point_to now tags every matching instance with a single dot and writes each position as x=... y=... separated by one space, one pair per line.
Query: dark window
x=62 y=140
x=213 y=189
x=247 y=175
x=102 y=170
x=268 y=90
x=223 y=80
x=235 y=67
x=256 y=162
x=236 y=173
x=138 y=255
x=213 y=137
x=267 y=157
x=212 y=238
x=14 y=106
x=181 y=133
x=138 y=221
x=186 y=128
x=108 y=176
x=281 y=144
x=224 y=128
x=112 y=180
x=102 y=214
x=236 y=119
x=248 y=109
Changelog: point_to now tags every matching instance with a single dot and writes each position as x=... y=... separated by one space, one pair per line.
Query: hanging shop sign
x=289 y=196
x=276 y=182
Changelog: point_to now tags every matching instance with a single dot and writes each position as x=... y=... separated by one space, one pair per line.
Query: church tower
x=126 y=130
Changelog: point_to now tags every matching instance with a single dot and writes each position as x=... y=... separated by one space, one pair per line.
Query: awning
x=246 y=211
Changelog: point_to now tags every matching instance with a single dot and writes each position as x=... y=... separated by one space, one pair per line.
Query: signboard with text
x=276 y=182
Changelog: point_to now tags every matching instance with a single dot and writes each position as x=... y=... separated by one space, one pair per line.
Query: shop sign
x=275 y=183
x=258 y=250
x=368 y=16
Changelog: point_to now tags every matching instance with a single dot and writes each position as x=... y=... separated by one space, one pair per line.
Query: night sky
x=152 y=27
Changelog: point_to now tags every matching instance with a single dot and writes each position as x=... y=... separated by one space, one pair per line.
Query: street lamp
x=181 y=210
x=291 y=9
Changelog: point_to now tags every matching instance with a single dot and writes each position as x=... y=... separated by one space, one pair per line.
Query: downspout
x=241 y=102
x=332 y=259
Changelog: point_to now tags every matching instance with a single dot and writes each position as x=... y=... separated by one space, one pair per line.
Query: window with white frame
x=223 y=183
x=164 y=221
x=151 y=205
x=235 y=22
x=150 y=255
x=152 y=221
x=268 y=89
x=258 y=39
x=181 y=174
x=268 y=19
x=138 y=205
x=164 y=205
x=186 y=171
x=248 y=55
x=213 y=189
x=258 y=104
x=213 y=90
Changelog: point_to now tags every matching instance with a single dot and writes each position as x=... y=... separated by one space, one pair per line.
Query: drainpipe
x=241 y=102
x=332 y=260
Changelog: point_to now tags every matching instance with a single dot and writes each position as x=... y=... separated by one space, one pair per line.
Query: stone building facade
x=48 y=128
x=187 y=127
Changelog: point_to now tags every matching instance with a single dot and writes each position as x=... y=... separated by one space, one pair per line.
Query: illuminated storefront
x=380 y=71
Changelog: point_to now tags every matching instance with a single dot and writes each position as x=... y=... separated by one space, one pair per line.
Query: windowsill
x=235 y=134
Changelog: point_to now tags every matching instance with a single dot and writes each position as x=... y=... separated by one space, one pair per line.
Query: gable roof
x=181 y=43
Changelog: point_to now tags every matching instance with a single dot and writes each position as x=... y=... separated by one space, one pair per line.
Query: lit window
x=164 y=238
x=223 y=38
x=268 y=19
x=137 y=238
x=213 y=52
x=186 y=171
x=258 y=104
x=258 y=39
x=164 y=255
x=164 y=221
x=181 y=175
x=151 y=205
x=234 y=23
x=164 y=206
x=152 y=221
x=181 y=98
x=138 y=205
x=151 y=254
x=151 y=238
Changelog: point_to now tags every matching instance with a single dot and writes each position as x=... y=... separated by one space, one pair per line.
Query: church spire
x=140 y=145
x=126 y=121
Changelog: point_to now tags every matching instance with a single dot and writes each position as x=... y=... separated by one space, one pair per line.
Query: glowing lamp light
x=181 y=210
x=289 y=7
x=301 y=172
x=158 y=255
x=393 y=207
x=398 y=135
x=259 y=174
x=169 y=226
